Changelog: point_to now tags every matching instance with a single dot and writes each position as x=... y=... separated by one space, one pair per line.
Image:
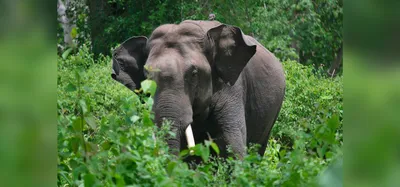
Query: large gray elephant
x=211 y=77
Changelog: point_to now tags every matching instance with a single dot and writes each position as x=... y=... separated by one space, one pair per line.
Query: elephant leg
x=234 y=138
x=264 y=142
x=231 y=121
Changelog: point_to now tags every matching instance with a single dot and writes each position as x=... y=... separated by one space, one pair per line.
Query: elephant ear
x=128 y=61
x=231 y=51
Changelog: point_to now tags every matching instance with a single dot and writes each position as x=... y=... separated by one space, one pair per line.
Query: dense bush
x=310 y=102
x=106 y=136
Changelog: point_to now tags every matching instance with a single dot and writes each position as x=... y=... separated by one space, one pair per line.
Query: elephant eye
x=121 y=63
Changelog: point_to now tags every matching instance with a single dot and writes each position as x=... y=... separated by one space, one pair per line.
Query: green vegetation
x=106 y=136
x=306 y=31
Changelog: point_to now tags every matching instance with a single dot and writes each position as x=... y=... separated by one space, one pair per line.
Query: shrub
x=106 y=136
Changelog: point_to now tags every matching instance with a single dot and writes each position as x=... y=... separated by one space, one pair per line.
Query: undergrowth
x=106 y=136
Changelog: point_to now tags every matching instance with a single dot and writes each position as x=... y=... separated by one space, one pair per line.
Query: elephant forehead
x=185 y=32
x=161 y=31
x=168 y=64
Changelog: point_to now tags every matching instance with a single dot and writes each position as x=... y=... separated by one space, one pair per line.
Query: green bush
x=106 y=136
x=311 y=100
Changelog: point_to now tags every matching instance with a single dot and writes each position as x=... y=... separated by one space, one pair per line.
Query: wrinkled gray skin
x=211 y=76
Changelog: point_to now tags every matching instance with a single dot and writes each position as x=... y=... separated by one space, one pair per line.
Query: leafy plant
x=106 y=136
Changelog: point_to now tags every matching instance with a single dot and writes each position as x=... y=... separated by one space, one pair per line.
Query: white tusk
x=189 y=136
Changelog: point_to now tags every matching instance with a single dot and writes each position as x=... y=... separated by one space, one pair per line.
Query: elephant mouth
x=131 y=86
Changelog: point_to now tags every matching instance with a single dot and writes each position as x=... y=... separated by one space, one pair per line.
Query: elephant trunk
x=178 y=110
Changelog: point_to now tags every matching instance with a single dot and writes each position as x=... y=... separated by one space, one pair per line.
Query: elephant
x=212 y=81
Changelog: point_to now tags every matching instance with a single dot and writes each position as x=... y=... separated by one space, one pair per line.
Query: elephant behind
x=212 y=77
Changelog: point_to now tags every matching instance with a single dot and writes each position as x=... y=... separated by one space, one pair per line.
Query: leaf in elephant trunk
x=149 y=86
x=215 y=147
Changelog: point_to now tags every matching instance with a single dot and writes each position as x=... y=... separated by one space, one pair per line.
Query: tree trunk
x=65 y=22
x=96 y=24
x=336 y=63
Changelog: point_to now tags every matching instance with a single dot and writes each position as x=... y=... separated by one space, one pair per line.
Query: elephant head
x=192 y=60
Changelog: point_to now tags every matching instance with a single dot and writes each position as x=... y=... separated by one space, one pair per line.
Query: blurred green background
x=28 y=131
x=372 y=102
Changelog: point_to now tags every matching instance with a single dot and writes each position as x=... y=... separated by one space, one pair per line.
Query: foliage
x=309 y=32
x=77 y=14
x=303 y=30
x=312 y=103
x=112 y=22
x=106 y=136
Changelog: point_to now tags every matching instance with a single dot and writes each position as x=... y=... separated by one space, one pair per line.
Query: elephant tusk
x=189 y=136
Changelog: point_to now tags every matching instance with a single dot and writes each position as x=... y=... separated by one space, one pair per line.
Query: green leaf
x=89 y=179
x=184 y=153
x=63 y=167
x=135 y=118
x=74 y=32
x=120 y=180
x=74 y=144
x=170 y=167
x=282 y=153
x=106 y=145
x=123 y=139
x=91 y=121
x=77 y=125
x=202 y=151
x=64 y=175
x=205 y=153
x=150 y=102
x=70 y=88
x=215 y=147
x=73 y=164
x=78 y=171
x=66 y=53
x=149 y=86
x=83 y=105
x=333 y=122
x=91 y=147
x=88 y=89
x=79 y=72
x=326 y=97
x=147 y=120
x=115 y=151
x=197 y=149
x=321 y=152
